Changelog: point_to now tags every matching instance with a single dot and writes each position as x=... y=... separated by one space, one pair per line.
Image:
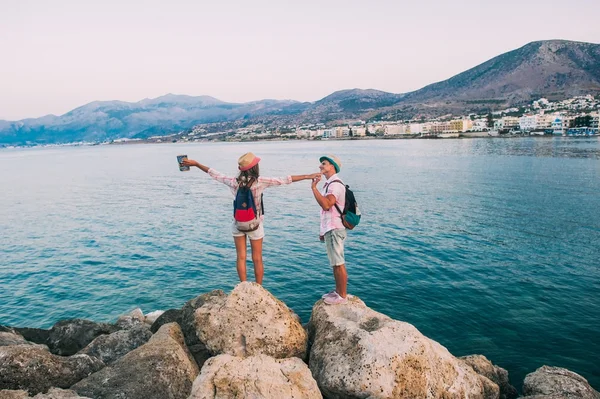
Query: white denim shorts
x=253 y=235
x=334 y=242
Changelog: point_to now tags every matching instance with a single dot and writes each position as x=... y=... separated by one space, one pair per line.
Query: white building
x=507 y=123
x=480 y=125
x=595 y=119
x=359 y=131
x=328 y=133
x=416 y=128
x=528 y=123
x=544 y=121
x=558 y=125
x=394 y=130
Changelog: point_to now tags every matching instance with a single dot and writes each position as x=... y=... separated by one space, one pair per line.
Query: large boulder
x=36 y=370
x=187 y=321
x=34 y=335
x=359 y=353
x=497 y=374
x=110 y=348
x=13 y=394
x=261 y=376
x=131 y=319
x=249 y=321
x=550 y=382
x=68 y=337
x=161 y=368
x=53 y=393
x=12 y=338
x=169 y=316
x=151 y=317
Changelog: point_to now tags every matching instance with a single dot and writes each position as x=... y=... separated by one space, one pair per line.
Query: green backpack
x=351 y=214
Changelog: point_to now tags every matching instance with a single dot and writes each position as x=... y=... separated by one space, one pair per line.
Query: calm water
x=487 y=246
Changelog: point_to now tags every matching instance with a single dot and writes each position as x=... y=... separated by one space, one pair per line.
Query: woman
x=249 y=178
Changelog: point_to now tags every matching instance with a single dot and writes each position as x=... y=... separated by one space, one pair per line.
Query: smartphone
x=180 y=159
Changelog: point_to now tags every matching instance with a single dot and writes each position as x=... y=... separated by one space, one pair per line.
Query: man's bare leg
x=341 y=280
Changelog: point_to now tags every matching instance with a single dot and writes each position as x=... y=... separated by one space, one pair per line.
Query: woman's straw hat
x=247 y=161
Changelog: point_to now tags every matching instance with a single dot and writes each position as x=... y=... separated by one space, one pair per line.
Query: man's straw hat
x=335 y=161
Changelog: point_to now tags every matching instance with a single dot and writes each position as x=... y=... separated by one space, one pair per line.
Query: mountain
x=349 y=104
x=105 y=120
x=553 y=69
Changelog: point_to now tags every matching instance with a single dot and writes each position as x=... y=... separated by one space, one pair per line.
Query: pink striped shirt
x=332 y=219
x=257 y=188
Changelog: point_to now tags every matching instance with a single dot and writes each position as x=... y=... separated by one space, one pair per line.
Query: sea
x=488 y=246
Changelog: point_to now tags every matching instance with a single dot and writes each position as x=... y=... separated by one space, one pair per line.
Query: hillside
x=555 y=69
x=105 y=120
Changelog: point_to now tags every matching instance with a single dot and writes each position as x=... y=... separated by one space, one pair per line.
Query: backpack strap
x=335 y=203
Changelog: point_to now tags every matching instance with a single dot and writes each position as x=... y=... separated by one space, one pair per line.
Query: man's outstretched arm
x=326 y=202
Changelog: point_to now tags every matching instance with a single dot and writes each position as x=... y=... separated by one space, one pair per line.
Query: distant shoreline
x=368 y=138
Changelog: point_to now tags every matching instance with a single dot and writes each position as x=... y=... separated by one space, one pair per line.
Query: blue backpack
x=245 y=214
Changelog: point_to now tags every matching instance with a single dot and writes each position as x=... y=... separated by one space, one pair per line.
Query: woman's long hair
x=248 y=177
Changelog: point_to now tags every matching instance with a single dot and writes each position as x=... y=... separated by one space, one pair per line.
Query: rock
x=12 y=338
x=498 y=375
x=57 y=393
x=53 y=393
x=112 y=347
x=68 y=337
x=151 y=317
x=250 y=321
x=187 y=322
x=133 y=318
x=170 y=316
x=35 y=335
x=13 y=394
x=260 y=376
x=36 y=370
x=360 y=353
x=161 y=368
x=550 y=382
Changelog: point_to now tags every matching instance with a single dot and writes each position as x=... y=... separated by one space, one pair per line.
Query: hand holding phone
x=180 y=159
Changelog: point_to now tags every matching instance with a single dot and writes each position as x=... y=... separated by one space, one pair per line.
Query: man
x=332 y=231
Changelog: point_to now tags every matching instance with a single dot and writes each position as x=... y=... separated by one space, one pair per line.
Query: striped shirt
x=257 y=188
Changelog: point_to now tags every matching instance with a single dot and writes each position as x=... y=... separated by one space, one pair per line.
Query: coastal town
x=576 y=116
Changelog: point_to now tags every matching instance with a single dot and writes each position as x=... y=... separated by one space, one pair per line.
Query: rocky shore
x=249 y=344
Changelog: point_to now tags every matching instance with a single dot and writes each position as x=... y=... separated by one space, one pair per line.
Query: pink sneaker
x=330 y=293
x=335 y=300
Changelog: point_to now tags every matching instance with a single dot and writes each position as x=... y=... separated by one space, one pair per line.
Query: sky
x=61 y=54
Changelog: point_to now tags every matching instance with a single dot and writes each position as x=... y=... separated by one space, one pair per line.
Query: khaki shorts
x=334 y=242
x=253 y=235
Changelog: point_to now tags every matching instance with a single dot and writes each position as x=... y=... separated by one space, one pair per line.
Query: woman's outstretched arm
x=191 y=162
x=304 y=177
x=229 y=181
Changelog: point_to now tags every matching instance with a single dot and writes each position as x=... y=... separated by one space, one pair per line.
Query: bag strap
x=335 y=203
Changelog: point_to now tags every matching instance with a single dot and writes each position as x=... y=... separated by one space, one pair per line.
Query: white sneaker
x=330 y=293
x=335 y=300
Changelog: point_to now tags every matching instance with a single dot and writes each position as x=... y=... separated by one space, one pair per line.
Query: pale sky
x=61 y=54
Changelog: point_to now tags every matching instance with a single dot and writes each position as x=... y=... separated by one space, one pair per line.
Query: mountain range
x=554 y=69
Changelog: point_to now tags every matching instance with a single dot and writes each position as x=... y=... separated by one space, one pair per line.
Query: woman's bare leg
x=259 y=269
x=240 y=249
